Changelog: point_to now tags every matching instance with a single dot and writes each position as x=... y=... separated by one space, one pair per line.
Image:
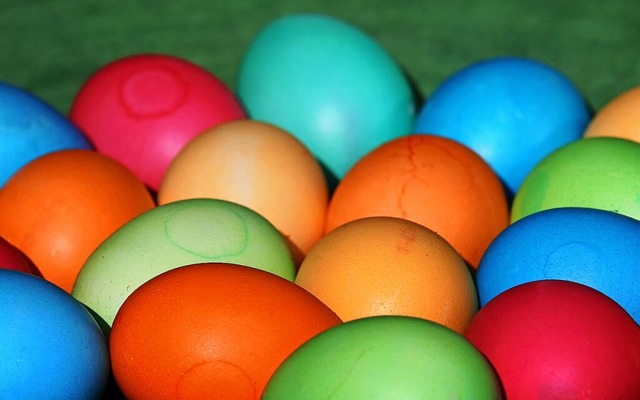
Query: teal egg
x=385 y=357
x=173 y=235
x=329 y=84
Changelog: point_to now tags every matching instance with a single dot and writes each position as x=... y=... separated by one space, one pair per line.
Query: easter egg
x=142 y=109
x=618 y=118
x=60 y=206
x=51 y=347
x=597 y=172
x=12 y=258
x=427 y=179
x=259 y=166
x=390 y=266
x=172 y=235
x=30 y=128
x=555 y=339
x=329 y=84
x=512 y=111
x=210 y=331
x=593 y=247
x=385 y=357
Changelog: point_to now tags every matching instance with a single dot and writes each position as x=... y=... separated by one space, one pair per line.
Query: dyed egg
x=618 y=118
x=329 y=84
x=599 y=172
x=59 y=207
x=385 y=357
x=390 y=266
x=12 y=258
x=31 y=128
x=593 y=247
x=431 y=180
x=259 y=166
x=50 y=347
x=142 y=109
x=556 y=339
x=172 y=235
x=512 y=111
x=210 y=331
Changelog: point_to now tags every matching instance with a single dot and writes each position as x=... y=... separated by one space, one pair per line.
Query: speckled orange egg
x=211 y=331
x=259 y=166
x=431 y=180
x=59 y=207
x=390 y=266
x=620 y=117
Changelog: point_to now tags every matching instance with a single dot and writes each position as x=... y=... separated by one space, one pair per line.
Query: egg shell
x=593 y=247
x=328 y=83
x=59 y=207
x=143 y=108
x=12 y=258
x=431 y=180
x=577 y=342
x=50 y=347
x=595 y=172
x=259 y=166
x=385 y=357
x=170 y=236
x=618 y=118
x=390 y=266
x=512 y=111
x=30 y=128
x=211 y=331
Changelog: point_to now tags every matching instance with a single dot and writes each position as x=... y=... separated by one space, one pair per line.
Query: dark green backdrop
x=51 y=47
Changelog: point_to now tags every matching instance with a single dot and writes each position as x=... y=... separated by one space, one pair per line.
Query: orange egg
x=259 y=166
x=210 y=331
x=618 y=118
x=59 y=207
x=390 y=266
x=431 y=180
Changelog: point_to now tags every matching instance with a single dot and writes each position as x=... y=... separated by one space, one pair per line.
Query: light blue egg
x=29 y=128
x=512 y=111
x=329 y=84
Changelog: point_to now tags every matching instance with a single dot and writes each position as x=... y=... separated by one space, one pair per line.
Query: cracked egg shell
x=431 y=180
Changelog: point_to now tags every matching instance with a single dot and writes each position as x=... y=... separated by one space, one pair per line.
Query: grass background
x=51 y=47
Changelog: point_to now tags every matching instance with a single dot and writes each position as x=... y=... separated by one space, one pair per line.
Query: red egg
x=142 y=109
x=13 y=258
x=555 y=339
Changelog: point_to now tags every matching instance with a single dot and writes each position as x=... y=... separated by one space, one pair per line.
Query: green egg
x=173 y=235
x=382 y=358
x=596 y=172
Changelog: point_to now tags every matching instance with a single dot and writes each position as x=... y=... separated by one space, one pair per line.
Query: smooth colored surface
x=30 y=128
x=259 y=166
x=559 y=340
x=593 y=247
x=50 y=347
x=12 y=258
x=619 y=117
x=381 y=358
x=598 y=172
x=211 y=331
x=172 y=235
x=431 y=180
x=142 y=109
x=61 y=206
x=390 y=266
x=329 y=84
x=512 y=111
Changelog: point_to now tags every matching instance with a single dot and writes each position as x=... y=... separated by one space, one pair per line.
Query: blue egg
x=51 y=347
x=593 y=247
x=29 y=128
x=512 y=111
x=327 y=83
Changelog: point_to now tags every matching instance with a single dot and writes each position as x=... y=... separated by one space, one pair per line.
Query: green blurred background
x=51 y=47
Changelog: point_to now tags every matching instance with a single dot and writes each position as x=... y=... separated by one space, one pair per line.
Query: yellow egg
x=259 y=166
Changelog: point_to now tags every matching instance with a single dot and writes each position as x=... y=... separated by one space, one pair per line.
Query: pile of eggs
x=318 y=234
